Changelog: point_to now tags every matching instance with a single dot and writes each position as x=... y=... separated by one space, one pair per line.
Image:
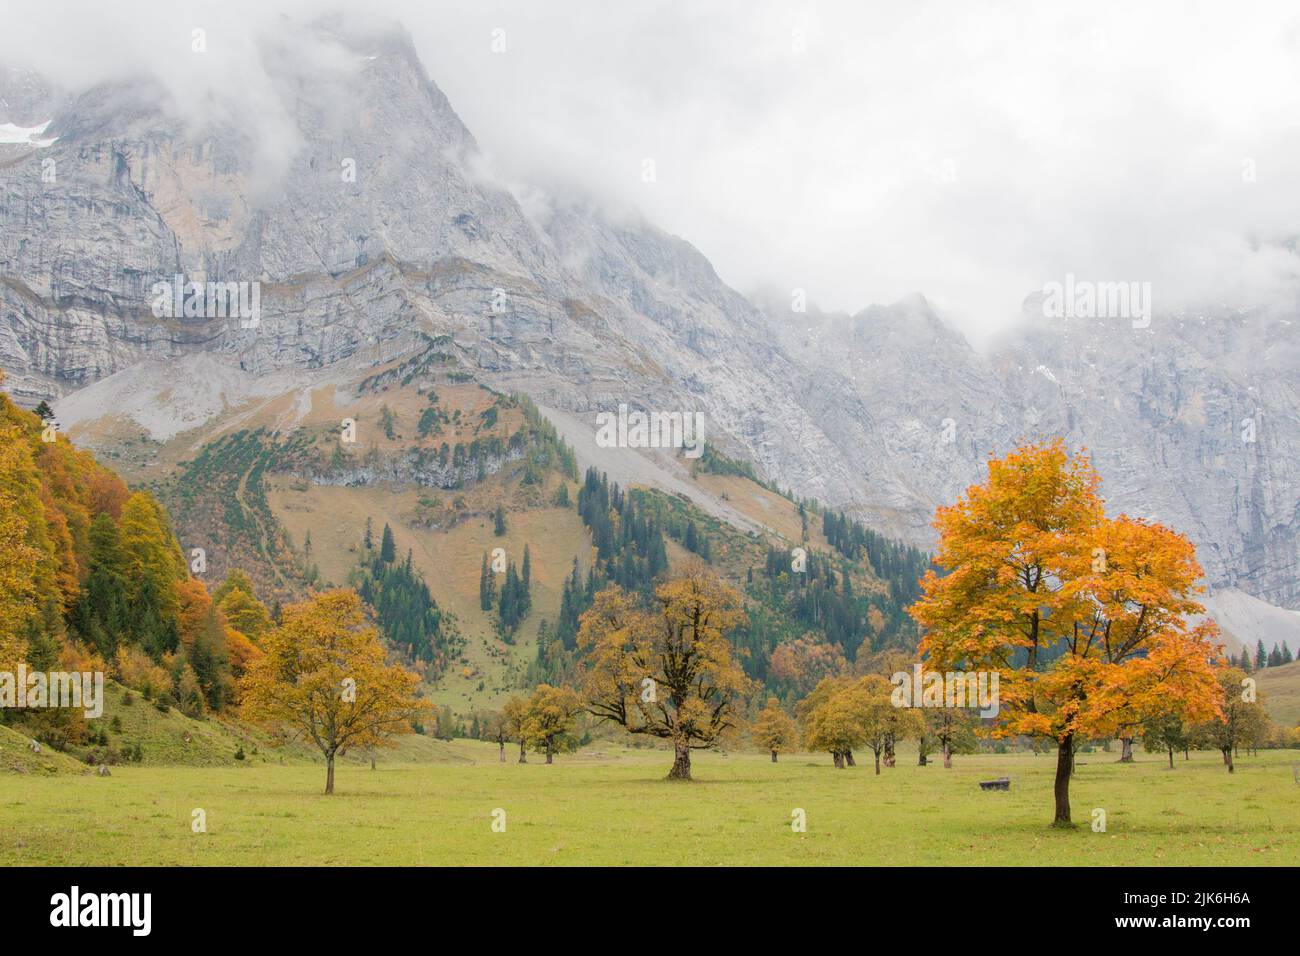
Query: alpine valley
x=469 y=344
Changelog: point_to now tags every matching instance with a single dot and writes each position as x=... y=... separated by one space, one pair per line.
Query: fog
x=969 y=151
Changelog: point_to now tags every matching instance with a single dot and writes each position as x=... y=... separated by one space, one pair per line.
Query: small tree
x=515 y=721
x=840 y=750
x=323 y=678
x=492 y=725
x=1166 y=733
x=835 y=725
x=668 y=672
x=1241 y=716
x=953 y=729
x=549 y=718
x=860 y=712
x=773 y=730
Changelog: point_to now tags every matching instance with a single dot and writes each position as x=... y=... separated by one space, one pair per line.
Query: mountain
x=1194 y=421
x=359 y=205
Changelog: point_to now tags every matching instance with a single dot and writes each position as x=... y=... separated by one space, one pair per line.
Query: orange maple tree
x=1084 y=617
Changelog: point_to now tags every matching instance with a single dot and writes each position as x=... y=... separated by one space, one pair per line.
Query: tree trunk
x=549 y=751
x=1227 y=759
x=921 y=759
x=681 y=761
x=1171 y=758
x=838 y=758
x=1126 y=750
x=1187 y=753
x=329 y=773
x=947 y=757
x=1064 y=766
x=372 y=760
x=502 y=745
x=773 y=756
x=877 y=753
x=848 y=758
x=523 y=754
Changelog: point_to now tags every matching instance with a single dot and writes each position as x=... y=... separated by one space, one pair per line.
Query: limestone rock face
x=359 y=206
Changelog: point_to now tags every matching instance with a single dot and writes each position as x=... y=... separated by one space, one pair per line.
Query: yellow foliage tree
x=549 y=718
x=19 y=557
x=668 y=672
x=773 y=730
x=323 y=678
x=1083 y=617
x=851 y=713
x=154 y=561
x=514 y=716
x=244 y=612
x=1241 y=720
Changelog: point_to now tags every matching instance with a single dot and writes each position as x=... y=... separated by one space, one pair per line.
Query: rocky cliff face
x=1194 y=421
x=367 y=223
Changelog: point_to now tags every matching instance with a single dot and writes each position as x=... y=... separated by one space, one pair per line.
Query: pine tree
x=486 y=586
x=499 y=521
x=387 y=548
x=1261 y=655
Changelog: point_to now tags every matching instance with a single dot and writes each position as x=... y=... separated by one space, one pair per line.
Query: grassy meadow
x=613 y=807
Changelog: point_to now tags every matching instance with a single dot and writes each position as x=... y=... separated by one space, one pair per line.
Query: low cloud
x=969 y=151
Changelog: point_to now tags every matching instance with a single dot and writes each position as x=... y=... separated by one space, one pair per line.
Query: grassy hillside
x=168 y=738
x=1280 y=689
x=268 y=487
x=16 y=757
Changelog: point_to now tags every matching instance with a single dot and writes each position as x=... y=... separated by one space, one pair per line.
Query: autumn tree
x=952 y=729
x=839 y=746
x=803 y=662
x=1083 y=617
x=323 y=678
x=20 y=556
x=1241 y=717
x=244 y=612
x=773 y=730
x=202 y=631
x=515 y=722
x=886 y=727
x=667 y=671
x=549 y=718
x=154 y=566
x=834 y=723
x=860 y=712
x=492 y=726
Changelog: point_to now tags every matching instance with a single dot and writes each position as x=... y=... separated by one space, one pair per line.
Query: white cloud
x=1102 y=139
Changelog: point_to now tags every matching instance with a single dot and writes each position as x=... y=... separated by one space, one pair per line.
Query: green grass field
x=615 y=808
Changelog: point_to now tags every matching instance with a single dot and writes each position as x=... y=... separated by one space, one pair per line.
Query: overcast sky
x=860 y=151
